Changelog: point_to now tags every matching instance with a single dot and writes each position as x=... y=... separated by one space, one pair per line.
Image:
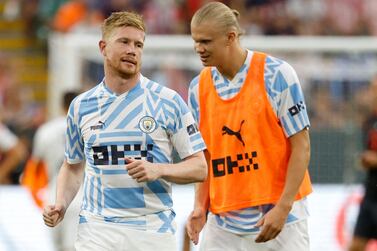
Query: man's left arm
x=187 y=141
x=297 y=166
x=191 y=169
x=272 y=223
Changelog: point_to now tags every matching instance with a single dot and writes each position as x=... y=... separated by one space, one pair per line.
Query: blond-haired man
x=253 y=119
x=126 y=128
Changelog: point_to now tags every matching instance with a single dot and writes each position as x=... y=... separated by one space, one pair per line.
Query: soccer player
x=126 y=128
x=253 y=119
x=12 y=153
x=42 y=169
x=366 y=225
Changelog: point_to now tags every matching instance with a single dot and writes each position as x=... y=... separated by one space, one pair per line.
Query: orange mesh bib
x=249 y=152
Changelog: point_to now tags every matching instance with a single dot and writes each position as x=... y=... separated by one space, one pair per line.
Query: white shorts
x=104 y=236
x=293 y=237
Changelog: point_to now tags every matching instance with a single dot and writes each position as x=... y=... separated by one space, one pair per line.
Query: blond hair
x=220 y=14
x=122 y=19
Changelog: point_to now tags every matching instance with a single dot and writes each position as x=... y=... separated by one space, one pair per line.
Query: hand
x=4 y=179
x=271 y=224
x=53 y=214
x=195 y=224
x=142 y=171
x=369 y=159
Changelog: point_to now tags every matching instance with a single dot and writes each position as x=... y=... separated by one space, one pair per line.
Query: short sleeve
x=286 y=96
x=74 y=146
x=193 y=98
x=186 y=139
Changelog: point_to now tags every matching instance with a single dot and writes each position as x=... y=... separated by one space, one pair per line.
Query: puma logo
x=100 y=125
x=227 y=130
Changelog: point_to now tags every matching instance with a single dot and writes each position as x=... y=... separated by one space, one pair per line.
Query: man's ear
x=232 y=36
x=102 y=46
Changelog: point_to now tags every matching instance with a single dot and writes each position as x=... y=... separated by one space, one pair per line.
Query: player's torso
x=135 y=125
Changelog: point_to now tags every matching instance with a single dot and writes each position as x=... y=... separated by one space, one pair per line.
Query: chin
x=205 y=63
x=129 y=70
x=127 y=74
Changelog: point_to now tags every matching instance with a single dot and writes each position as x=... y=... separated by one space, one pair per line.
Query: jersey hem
x=251 y=204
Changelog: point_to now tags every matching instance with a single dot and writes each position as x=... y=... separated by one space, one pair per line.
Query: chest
x=121 y=124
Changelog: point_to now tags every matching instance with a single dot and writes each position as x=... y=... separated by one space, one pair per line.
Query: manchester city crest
x=147 y=124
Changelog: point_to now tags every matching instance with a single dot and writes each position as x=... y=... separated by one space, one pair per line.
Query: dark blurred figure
x=12 y=153
x=366 y=225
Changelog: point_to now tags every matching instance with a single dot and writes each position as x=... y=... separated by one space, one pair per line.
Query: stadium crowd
x=333 y=103
x=262 y=17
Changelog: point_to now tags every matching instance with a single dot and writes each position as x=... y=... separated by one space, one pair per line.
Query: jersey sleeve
x=193 y=98
x=74 y=146
x=286 y=96
x=186 y=137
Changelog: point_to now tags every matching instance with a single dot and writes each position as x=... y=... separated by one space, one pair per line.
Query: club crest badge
x=147 y=124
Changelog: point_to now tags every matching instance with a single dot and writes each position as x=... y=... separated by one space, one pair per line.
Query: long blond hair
x=220 y=14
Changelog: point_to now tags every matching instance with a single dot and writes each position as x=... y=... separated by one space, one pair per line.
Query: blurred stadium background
x=51 y=46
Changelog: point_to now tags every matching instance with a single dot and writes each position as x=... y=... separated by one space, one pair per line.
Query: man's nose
x=199 y=48
x=131 y=49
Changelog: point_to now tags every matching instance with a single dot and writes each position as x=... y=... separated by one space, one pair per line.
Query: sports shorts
x=105 y=236
x=293 y=237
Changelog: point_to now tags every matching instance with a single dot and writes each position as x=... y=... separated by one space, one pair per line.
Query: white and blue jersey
x=147 y=122
x=286 y=98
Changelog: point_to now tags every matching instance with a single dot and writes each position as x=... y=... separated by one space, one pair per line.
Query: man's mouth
x=204 y=58
x=129 y=60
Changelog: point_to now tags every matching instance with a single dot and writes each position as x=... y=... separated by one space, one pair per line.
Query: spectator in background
x=13 y=122
x=366 y=225
x=370 y=10
x=12 y=153
x=42 y=169
x=22 y=116
x=75 y=13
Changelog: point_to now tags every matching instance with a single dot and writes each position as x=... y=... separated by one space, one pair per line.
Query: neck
x=120 y=84
x=233 y=62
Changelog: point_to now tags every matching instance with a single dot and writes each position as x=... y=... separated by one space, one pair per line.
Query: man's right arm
x=198 y=216
x=68 y=184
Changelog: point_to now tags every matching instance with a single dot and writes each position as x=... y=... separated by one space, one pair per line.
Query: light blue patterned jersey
x=147 y=122
x=287 y=101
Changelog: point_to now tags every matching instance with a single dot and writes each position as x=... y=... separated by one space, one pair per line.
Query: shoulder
x=279 y=75
x=85 y=101
x=88 y=95
x=157 y=90
x=275 y=66
x=168 y=97
x=194 y=83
